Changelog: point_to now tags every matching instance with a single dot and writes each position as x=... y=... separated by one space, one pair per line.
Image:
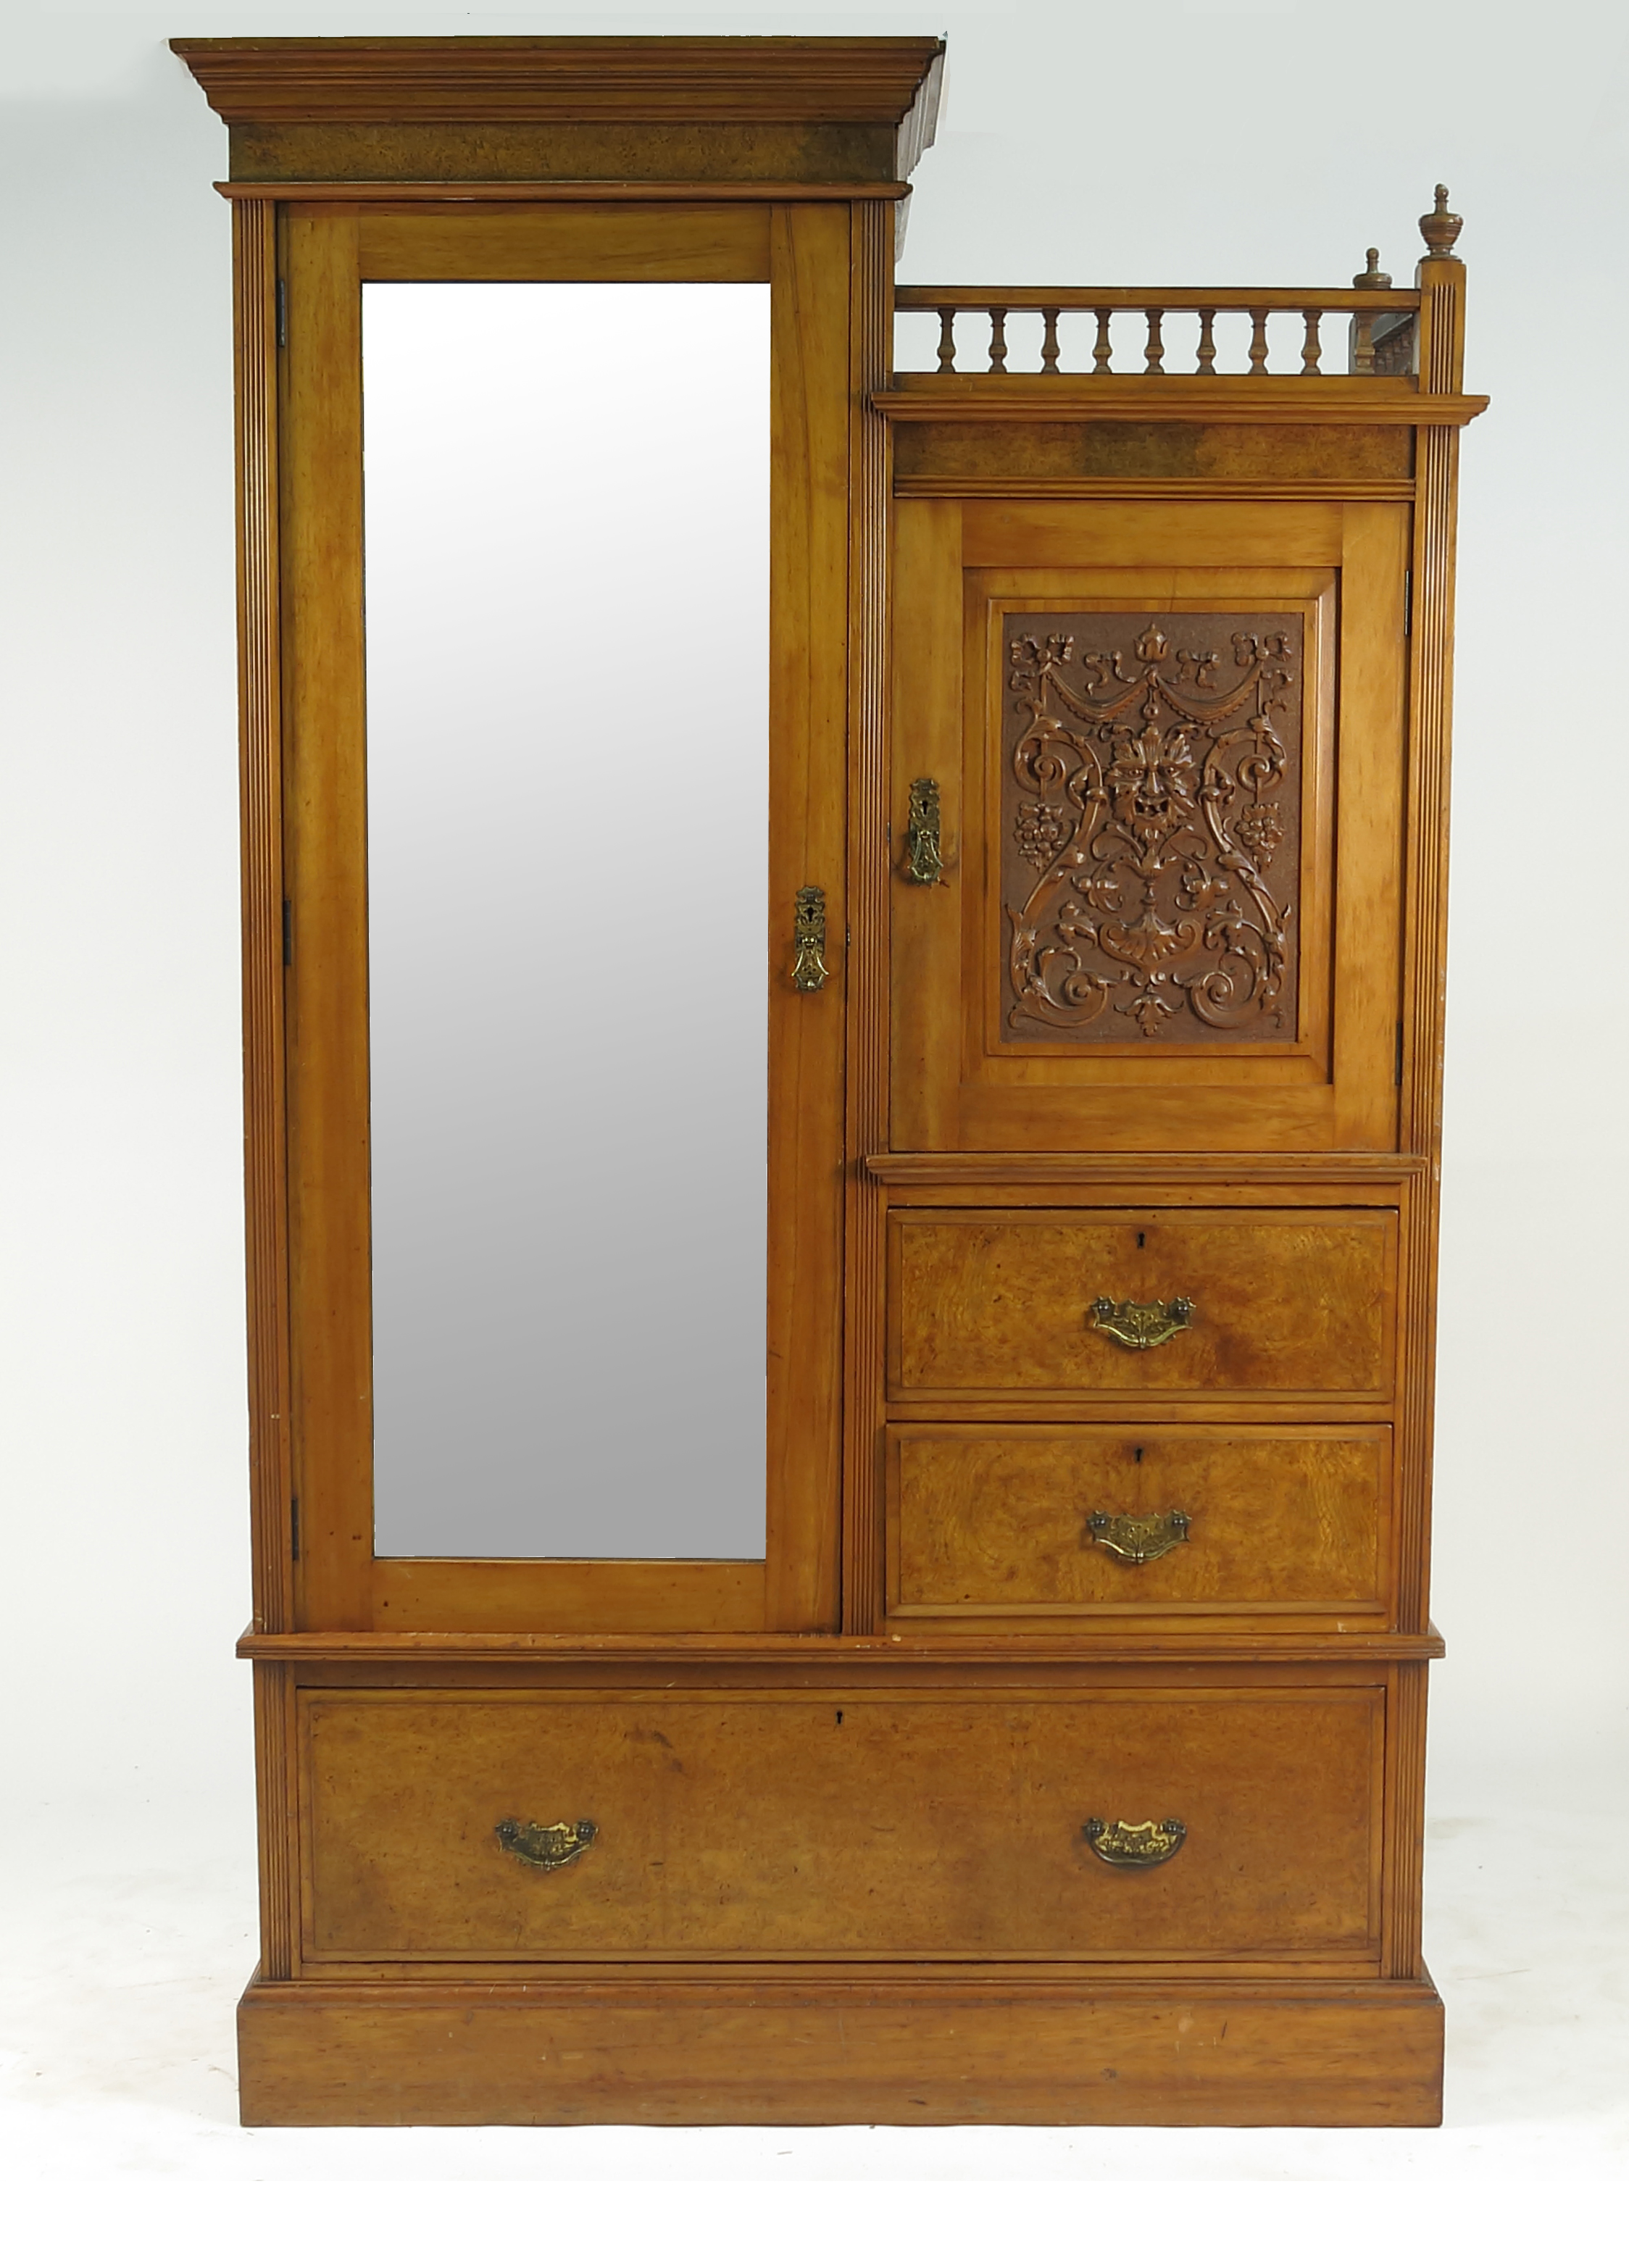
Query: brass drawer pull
x=809 y=971
x=1124 y=1536
x=1148 y=1845
x=1139 y=1328
x=924 y=862
x=546 y=1847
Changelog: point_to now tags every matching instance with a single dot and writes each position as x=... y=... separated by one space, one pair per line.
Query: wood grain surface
x=1286 y=1303
x=838 y=1870
x=617 y=243
x=736 y=1824
x=996 y=1519
x=943 y=2048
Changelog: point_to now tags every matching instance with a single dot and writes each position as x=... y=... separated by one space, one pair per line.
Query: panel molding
x=951 y=1169
x=260 y=712
x=870 y=326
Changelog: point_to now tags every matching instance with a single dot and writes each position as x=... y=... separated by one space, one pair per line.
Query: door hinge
x=294 y=1525
x=1408 y=602
x=283 y=313
x=288 y=934
x=1397 y=1077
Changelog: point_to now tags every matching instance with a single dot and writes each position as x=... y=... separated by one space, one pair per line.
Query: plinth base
x=842 y=2052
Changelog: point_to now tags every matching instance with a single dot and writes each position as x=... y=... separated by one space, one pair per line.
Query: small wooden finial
x=1441 y=228
x=1374 y=278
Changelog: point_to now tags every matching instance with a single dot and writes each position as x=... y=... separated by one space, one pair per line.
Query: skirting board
x=840 y=2053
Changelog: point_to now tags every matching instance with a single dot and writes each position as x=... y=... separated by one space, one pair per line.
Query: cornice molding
x=555 y=81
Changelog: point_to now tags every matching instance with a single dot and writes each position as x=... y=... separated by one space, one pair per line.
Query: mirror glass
x=567 y=595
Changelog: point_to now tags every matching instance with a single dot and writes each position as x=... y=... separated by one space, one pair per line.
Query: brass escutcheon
x=1149 y=1844
x=1124 y=1536
x=923 y=860
x=809 y=971
x=1139 y=1328
x=546 y=1847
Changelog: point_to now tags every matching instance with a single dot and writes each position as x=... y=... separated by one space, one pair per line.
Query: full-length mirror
x=567 y=594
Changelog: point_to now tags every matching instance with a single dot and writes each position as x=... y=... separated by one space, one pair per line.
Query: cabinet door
x=1168 y=742
x=529 y=1222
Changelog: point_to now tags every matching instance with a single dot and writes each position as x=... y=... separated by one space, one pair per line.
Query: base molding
x=837 y=2052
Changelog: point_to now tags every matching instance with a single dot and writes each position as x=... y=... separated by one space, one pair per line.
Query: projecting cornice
x=730 y=109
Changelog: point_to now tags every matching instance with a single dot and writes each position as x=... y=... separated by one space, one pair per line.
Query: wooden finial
x=1441 y=228
x=1374 y=278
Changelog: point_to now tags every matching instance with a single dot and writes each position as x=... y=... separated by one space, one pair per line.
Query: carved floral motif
x=1151 y=810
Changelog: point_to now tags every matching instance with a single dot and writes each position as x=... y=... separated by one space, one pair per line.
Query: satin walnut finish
x=1062 y=1758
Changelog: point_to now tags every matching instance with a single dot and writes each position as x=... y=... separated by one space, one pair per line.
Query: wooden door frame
x=328 y=248
x=960 y=561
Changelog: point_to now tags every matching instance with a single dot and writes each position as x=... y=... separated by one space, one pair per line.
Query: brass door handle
x=1138 y=1326
x=546 y=1847
x=809 y=971
x=1136 y=1540
x=924 y=860
x=1148 y=1845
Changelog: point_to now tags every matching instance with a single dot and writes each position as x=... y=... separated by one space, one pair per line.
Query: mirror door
x=565 y=596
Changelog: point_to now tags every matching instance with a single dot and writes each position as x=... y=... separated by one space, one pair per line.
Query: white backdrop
x=1118 y=145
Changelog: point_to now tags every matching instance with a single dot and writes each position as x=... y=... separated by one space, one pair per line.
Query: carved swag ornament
x=1151 y=818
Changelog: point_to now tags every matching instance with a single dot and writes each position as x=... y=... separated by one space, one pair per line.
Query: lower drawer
x=739 y=1824
x=1009 y=1521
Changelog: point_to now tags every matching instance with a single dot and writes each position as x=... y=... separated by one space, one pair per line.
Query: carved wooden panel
x=1151 y=820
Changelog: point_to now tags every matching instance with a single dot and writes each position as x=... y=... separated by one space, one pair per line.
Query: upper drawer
x=716 y=1825
x=1279 y=1305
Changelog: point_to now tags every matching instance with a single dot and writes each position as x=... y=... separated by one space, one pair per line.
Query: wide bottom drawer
x=720 y=1824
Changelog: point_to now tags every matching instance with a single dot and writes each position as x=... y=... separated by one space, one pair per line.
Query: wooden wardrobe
x=1057 y=1753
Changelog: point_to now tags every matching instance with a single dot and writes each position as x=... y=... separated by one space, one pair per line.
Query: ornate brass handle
x=809 y=971
x=1139 y=1328
x=546 y=1847
x=1124 y=1536
x=1149 y=1845
x=924 y=862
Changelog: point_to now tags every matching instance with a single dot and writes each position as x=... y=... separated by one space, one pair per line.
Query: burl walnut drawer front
x=1126 y=1520
x=1123 y=1306
x=715 y=1824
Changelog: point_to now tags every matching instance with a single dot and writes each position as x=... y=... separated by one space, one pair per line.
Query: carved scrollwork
x=1151 y=801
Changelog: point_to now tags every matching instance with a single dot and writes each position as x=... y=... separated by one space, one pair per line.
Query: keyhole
x=1138 y=1454
x=1141 y=1240
x=839 y=1716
